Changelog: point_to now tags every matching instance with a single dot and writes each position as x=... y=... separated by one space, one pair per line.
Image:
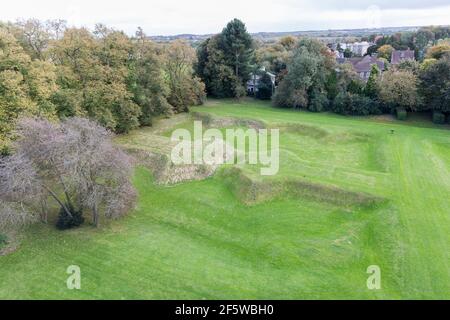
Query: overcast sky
x=166 y=17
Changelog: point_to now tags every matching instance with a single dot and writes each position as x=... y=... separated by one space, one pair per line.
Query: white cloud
x=205 y=16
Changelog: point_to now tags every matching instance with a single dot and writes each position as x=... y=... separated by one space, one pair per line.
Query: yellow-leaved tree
x=26 y=87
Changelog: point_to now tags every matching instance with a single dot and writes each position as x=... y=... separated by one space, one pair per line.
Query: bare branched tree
x=14 y=215
x=19 y=190
x=35 y=36
x=74 y=163
x=100 y=171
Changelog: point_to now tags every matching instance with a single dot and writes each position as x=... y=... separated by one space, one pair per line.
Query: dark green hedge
x=402 y=114
x=438 y=117
x=354 y=104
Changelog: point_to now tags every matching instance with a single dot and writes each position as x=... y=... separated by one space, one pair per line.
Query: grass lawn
x=198 y=240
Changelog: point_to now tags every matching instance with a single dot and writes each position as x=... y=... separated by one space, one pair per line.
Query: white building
x=253 y=83
x=357 y=48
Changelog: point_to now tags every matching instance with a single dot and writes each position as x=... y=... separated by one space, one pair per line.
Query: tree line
x=419 y=41
x=55 y=72
x=309 y=77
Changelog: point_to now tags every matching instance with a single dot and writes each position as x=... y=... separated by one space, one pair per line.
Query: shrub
x=3 y=240
x=438 y=117
x=265 y=87
x=356 y=87
x=401 y=114
x=239 y=91
x=319 y=102
x=66 y=222
x=5 y=150
x=354 y=104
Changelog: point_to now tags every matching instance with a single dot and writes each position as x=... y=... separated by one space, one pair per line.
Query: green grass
x=200 y=240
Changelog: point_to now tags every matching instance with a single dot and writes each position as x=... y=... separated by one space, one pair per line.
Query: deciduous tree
x=185 y=88
x=438 y=51
x=218 y=77
x=147 y=81
x=95 y=67
x=399 y=89
x=26 y=86
x=74 y=163
x=435 y=85
x=385 y=52
x=307 y=71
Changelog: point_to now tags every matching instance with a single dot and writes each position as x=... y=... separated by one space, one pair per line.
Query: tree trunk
x=44 y=212
x=95 y=216
x=69 y=202
x=254 y=84
x=237 y=65
x=59 y=201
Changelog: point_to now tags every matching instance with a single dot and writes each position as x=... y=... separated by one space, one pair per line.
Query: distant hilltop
x=268 y=36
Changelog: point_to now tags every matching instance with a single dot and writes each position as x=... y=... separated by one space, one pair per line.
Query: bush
x=3 y=240
x=66 y=222
x=265 y=87
x=347 y=103
x=264 y=94
x=356 y=87
x=5 y=150
x=401 y=114
x=438 y=117
x=239 y=91
x=281 y=98
x=319 y=102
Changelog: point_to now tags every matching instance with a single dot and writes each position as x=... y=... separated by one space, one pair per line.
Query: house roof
x=401 y=55
x=364 y=64
x=254 y=78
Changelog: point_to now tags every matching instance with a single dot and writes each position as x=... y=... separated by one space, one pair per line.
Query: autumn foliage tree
x=147 y=80
x=94 y=67
x=51 y=71
x=385 y=52
x=275 y=56
x=185 y=88
x=26 y=86
x=438 y=51
x=399 y=89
